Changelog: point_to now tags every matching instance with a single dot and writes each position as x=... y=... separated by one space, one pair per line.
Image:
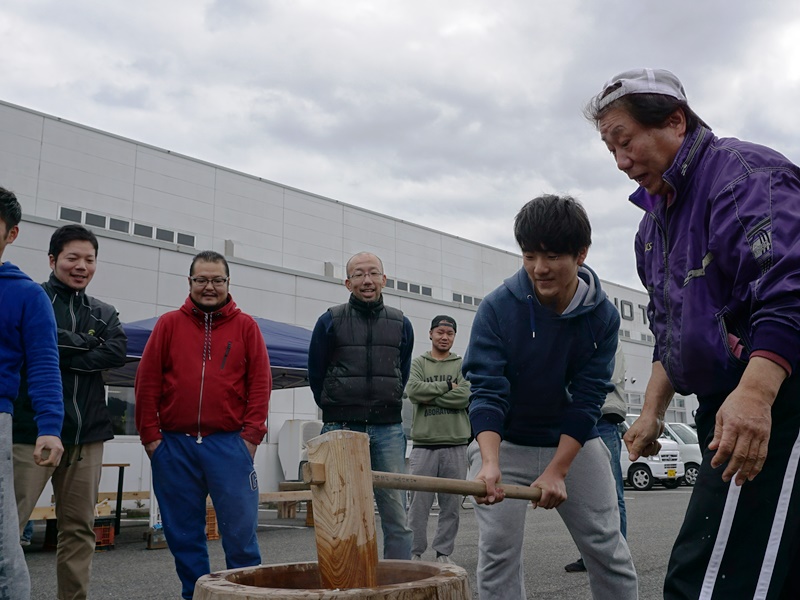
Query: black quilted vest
x=363 y=382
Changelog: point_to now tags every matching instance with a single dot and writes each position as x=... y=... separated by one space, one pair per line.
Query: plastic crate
x=212 y=533
x=103 y=534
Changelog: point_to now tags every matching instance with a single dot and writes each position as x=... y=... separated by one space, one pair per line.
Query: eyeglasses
x=204 y=281
x=358 y=276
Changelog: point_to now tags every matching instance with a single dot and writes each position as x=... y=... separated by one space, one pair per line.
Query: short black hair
x=554 y=224
x=70 y=233
x=10 y=209
x=649 y=110
x=210 y=256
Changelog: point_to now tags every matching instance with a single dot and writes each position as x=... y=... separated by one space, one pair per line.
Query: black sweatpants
x=742 y=542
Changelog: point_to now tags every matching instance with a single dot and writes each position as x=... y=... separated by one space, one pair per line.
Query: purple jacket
x=721 y=263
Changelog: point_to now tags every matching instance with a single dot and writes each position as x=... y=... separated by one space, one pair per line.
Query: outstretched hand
x=741 y=436
x=642 y=437
x=490 y=476
x=48 y=451
x=744 y=421
x=554 y=490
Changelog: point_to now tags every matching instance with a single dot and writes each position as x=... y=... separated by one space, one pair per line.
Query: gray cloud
x=448 y=114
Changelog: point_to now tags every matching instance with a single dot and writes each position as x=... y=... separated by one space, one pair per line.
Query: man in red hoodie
x=202 y=396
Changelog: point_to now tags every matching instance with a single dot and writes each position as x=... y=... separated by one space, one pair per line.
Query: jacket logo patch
x=760 y=241
x=648 y=246
x=707 y=260
x=253 y=481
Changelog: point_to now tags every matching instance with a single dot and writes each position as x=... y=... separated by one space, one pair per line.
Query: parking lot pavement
x=130 y=571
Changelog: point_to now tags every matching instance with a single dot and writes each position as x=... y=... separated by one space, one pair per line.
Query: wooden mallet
x=341 y=480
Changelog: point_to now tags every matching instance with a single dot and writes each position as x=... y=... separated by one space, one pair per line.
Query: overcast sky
x=449 y=114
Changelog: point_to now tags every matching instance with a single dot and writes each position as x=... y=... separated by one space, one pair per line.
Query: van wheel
x=690 y=476
x=640 y=478
x=671 y=484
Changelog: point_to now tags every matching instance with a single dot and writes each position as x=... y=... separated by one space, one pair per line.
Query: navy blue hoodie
x=536 y=374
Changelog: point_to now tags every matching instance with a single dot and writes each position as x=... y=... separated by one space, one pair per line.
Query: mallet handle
x=419 y=483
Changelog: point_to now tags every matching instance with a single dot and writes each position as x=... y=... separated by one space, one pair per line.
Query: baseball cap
x=443 y=321
x=640 y=81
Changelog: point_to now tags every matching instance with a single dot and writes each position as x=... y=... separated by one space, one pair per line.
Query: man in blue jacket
x=717 y=251
x=539 y=361
x=27 y=340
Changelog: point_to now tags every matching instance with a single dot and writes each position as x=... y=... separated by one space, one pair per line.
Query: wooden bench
x=142 y=495
x=41 y=513
x=289 y=494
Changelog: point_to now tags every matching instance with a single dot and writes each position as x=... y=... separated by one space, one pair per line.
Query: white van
x=692 y=456
x=666 y=467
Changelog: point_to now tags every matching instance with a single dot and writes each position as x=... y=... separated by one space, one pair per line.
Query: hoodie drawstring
x=206 y=357
x=532 y=316
x=591 y=333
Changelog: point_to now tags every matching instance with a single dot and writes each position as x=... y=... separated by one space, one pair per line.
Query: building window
x=624 y=333
x=119 y=225
x=124 y=226
x=457 y=298
x=467 y=299
x=477 y=301
x=426 y=291
x=165 y=235
x=413 y=288
x=95 y=220
x=184 y=239
x=389 y=283
x=402 y=286
x=69 y=214
x=142 y=230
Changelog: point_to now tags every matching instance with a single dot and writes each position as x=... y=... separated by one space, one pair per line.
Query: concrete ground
x=130 y=571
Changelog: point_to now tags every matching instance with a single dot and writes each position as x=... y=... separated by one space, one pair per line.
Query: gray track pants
x=590 y=513
x=441 y=462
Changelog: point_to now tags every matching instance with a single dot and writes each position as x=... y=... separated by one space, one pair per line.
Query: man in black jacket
x=358 y=364
x=90 y=340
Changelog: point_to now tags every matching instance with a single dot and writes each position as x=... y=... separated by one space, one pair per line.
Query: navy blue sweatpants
x=742 y=541
x=184 y=474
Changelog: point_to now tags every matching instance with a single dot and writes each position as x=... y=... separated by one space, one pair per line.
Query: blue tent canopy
x=287 y=346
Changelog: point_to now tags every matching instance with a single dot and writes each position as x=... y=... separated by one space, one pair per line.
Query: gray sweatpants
x=439 y=462
x=590 y=513
x=15 y=583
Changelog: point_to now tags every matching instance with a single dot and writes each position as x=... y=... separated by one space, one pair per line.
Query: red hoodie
x=202 y=373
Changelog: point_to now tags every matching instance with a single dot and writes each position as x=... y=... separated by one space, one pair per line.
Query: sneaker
x=416 y=557
x=576 y=567
x=23 y=542
x=443 y=558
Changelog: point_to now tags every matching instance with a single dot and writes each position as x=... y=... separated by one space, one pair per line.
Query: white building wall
x=278 y=240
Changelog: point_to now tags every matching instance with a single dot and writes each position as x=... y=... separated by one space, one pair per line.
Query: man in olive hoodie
x=441 y=431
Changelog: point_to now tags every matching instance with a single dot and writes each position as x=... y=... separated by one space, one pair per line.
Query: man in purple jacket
x=717 y=251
